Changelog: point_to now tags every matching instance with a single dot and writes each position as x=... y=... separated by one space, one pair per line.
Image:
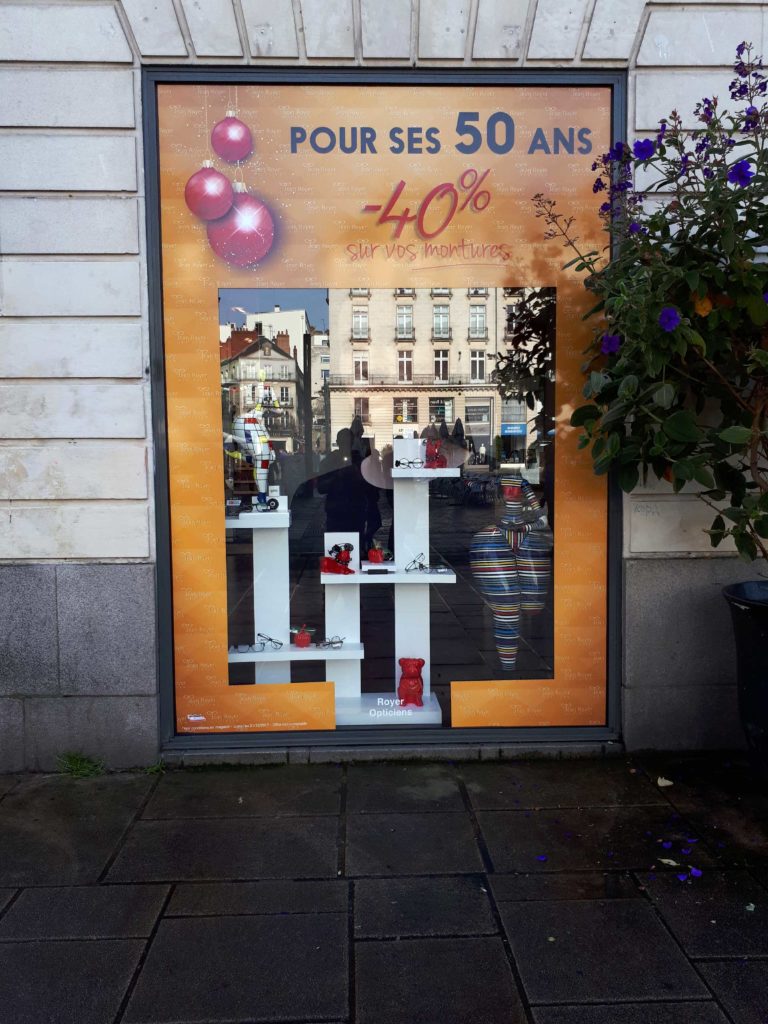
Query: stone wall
x=76 y=456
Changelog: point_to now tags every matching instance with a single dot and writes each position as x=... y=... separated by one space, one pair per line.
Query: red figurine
x=330 y=565
x=375 y=554
x=435 y=458
x=411 y=685
x=303 y=637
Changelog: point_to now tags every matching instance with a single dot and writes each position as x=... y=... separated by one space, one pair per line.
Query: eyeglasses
x=267 y=642
x=419 y=565
x=263 y=643
x=331 y=641
x=409 y=463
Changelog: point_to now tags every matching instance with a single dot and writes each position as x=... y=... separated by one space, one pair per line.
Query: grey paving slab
x=65 y=982
x=378 y=788
x=571 y=885
x=435 y=981
x=591 y=839
x=411 y=844
x=640 y=1013
x=84 y=912
x=270 y=897
x=591 y=783
x=247 y=792
x=399 y=907
x=742 y=988
x=723 y=797
x=723 y=913
x=6 y=895
x=244 y=969
x=60 y=831
x=7 y=782
x=596 y=951
x=159 y=851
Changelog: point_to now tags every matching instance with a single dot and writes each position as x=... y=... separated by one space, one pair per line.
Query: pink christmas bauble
x=231 y=139
x=245 y=235
x=208 y=193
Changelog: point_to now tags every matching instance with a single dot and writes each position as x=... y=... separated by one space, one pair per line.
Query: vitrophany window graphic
x=378 y=513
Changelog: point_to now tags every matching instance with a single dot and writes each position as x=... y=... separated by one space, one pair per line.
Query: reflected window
x=405 y=365
x=440 y=322
x=362 y=409
x=404 y=322
x=477 y=322
x=360 y=322
x=441 y=364
x=441 y=409
x=361 y=367
x=405 y=410
x=477 y=365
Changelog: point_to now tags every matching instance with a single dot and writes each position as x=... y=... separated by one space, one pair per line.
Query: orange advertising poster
x=370 y=187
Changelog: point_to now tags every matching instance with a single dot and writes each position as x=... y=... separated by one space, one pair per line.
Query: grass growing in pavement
x=79 y=766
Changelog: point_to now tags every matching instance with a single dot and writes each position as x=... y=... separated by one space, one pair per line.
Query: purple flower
x=695 y=873
x=635 y=228
x=599 y=185
x=765 y=296
x=740 y=173
x=610 y=344
x=708 y=173
x=741 y=48
x=616 y=152
x=669 y=318
x=667 y=844
x=542 y=857
x=683 y=878
x=605 y=208
x=643 y=149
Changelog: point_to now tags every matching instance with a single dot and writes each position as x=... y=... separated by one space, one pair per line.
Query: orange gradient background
x=317 y=203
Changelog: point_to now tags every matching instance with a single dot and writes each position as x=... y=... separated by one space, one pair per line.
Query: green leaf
x=683 y=470
x=692 y=280
x=596 y=382
x=628 y=386
x=703 y=476
x=584 y=414
x=628 y=477
x=736 y=435
x=695 y=339
x=718 y=524
x=746 y=547
x=760 y=357
x=757 y=308
x=728 y=240
x=761 y=527
x=681 y=426
x=664 y=396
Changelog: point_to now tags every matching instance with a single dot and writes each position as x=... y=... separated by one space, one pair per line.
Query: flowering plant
x=677 y=376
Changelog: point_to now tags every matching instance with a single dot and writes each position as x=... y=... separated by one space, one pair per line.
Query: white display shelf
x=260 y=521
x=289 y=652
x=422 y=474
x=331 y=580
x=367 y=709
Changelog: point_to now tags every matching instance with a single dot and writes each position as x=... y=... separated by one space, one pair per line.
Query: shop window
x=441 y=409
x=405 y=410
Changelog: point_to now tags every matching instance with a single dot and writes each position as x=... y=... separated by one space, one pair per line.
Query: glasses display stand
x=412 y=636
x=271 y=602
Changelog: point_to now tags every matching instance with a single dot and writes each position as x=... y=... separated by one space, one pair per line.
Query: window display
x=387 y=552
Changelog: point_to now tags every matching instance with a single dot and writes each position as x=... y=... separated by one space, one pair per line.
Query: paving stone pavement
x=537 y=892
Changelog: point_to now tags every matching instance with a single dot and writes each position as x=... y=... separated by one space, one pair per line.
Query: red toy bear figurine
x=411 y=685
x=435 y=458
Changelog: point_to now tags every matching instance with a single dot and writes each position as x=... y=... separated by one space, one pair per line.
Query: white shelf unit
x=290 y=652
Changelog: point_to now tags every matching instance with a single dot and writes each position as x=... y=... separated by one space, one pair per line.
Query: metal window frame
x=380 y=736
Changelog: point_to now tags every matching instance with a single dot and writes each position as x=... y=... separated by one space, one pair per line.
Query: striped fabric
x=494 y=567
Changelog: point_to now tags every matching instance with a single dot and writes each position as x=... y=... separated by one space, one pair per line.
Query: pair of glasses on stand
x=263 y=643
x=332 y=641
x=419 y=565
x=409 y=463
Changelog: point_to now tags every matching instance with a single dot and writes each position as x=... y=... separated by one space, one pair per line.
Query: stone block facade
x=77 y=662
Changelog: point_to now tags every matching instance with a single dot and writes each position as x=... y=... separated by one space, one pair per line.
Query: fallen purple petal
x=683 y=878
x=542 y=857
x=667 y=844
x=696 y=873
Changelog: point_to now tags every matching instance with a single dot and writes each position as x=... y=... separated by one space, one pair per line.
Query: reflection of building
x=247 y=358
x=320 y=366
x=404 y=358
x=292 y=322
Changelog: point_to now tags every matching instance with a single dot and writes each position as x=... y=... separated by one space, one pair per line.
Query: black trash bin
x=749 y=610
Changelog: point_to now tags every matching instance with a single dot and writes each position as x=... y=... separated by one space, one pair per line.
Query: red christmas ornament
x=208 y=193
x=245 y=235
x=232 y=139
